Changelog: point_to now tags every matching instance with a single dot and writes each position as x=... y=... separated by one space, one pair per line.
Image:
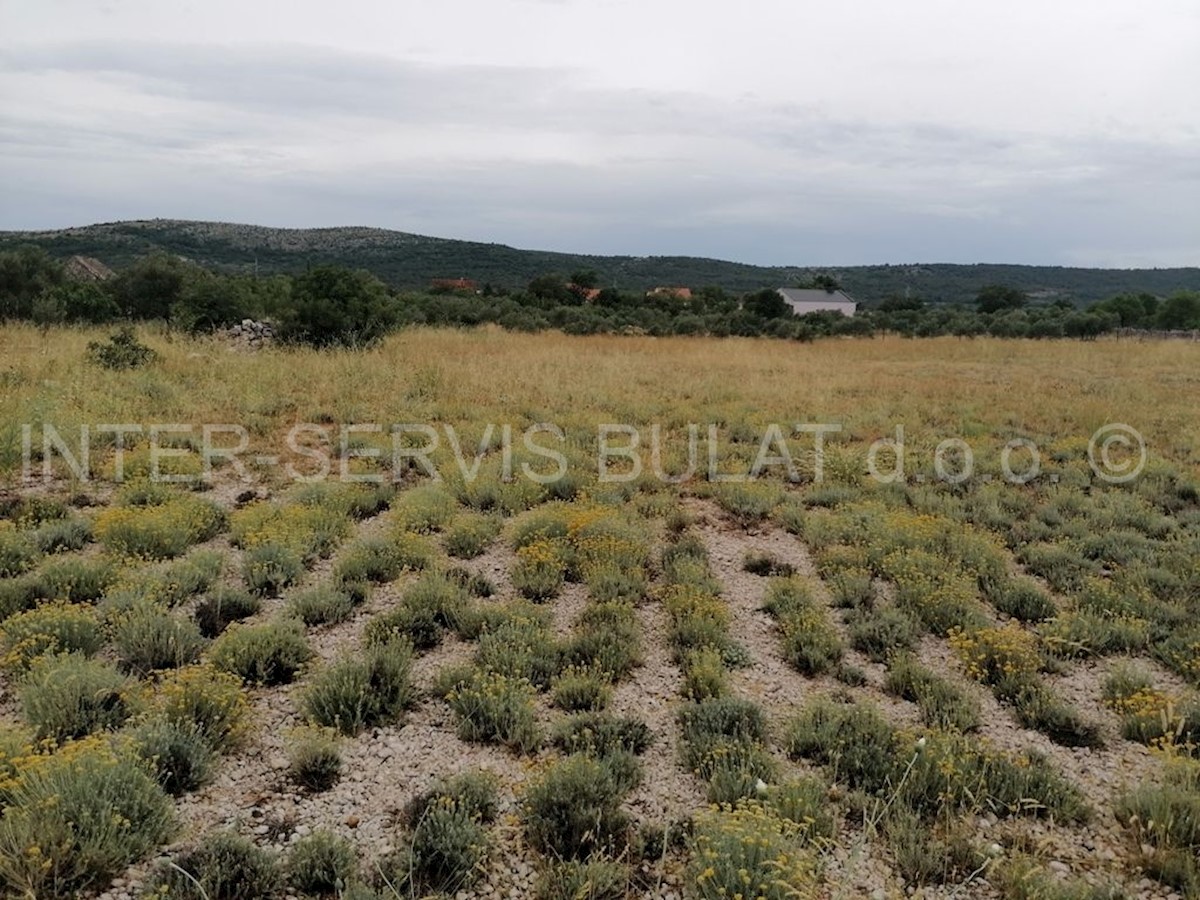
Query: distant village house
x=806 y=300
x=679 y=293
x=453 y=284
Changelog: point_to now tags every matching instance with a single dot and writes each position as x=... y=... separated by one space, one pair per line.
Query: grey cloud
x=666 y=172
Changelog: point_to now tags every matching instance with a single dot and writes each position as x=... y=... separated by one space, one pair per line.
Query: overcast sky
x=768 y=131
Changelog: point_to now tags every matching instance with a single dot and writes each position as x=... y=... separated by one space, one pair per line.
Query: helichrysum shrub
x=322 y=605
x=601 y=734
x=68 y=696
x=54 y=627
x=520 y=648
x=76 y=580
x=172 y=583
x=78 y=817
x=578 y=689
x=224 y=606
x=178 y=754
x=995 y=655
x=880 y=633
x=594 y=879
x=496 y=708
x=314 y=758
x=539 y=571
x=148 y=638
x=18 y=553
x=269 y=568
x=311 y=532
x=433 y=604
x=366 y=688
x=469 y=534
x=209 y=700
x=320 y=863
x=942 y=703
x=161 y=531
x=751 y=851
x=267 y=655
x=223 y=866
x=424 y=509
x=574 y=809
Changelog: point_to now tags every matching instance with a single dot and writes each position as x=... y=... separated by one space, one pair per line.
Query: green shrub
x=378 y=559
x=704 y=723
x=939 y=854
x=495 y=708
x=203 y=698
x=222 y=608
x=942 y=703
x=470 y=534
x=852 y=588
x=18 y=594
x=448 y=848
x=89 y=810
x=269 y=568
x=18 y=553
x=609 y=584
x=161 y=530
x=854 y=742
x=475 y=585
x=1165 y=821
x=749 y=851
x=148 y=638
x=69 y=696
x=1022 y=599
x=804 y=802
x=62 y=535
x=538 y=574
x=314 y=758
x=704 y=675
x=734 y=768
x=593 y=879
x=574 y=810
x=476 y=793
x=432 y=604
x=266 y=655
x=605 y=645
x=368 y=688
x=178 y=754
x=879 y=633
x=121 y=351
x=320 y=863
x=748 y=503
x=76 y=580
x=424 y=509
x=601 y=734
x=578 y=689
x=223 y=866
x=324 y=605
x=176 y=582
x=810 y=644
x=766 y=564
x=1038 y=708
x=50 y=628
x=520 y=649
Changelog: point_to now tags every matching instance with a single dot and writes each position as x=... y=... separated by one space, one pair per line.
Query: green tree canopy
x=331 y=306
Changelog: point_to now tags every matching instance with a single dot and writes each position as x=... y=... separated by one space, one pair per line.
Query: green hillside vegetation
x=332 y=304
x=409 y=261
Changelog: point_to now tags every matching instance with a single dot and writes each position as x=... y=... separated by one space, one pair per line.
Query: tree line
x=334 y=305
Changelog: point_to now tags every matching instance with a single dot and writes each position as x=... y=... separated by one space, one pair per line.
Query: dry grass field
x=567 y=678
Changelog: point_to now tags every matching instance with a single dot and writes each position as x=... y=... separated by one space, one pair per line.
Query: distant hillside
x=411 y=261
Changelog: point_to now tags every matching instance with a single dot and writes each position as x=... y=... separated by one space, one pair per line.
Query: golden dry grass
x=982 y=390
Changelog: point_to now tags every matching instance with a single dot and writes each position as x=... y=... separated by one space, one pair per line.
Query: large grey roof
x=814 y=295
